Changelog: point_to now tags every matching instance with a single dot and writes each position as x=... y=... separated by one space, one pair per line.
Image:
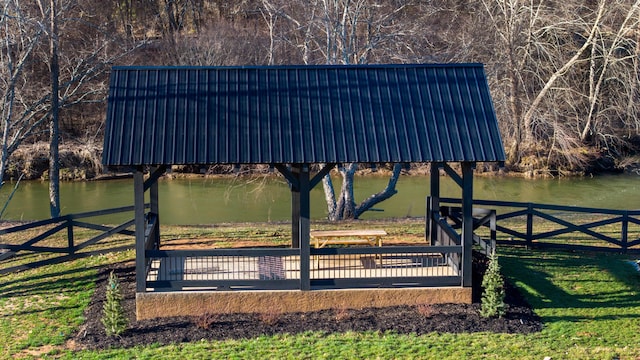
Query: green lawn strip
x=44 y=306
x=589 y=303
x=586 y=300
x=369 y=345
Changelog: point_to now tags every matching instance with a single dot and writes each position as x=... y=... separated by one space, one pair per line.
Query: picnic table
x=322 y=238
x=372 y=237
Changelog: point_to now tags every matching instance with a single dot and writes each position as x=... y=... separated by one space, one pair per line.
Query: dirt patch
x=422 y=319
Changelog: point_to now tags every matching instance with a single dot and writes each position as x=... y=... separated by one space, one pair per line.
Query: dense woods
x=563 y=74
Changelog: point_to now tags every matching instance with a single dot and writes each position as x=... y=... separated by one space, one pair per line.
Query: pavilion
x=302 y=121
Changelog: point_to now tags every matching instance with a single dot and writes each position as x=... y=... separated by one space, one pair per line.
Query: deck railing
x=558 y=226
x=260 y=268
x=279 y=268
x=389 y=266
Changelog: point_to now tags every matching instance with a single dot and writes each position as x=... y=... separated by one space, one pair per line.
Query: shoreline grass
x=589 y=302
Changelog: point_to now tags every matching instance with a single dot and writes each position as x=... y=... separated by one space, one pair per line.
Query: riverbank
x=83 y=161
x=78 y=161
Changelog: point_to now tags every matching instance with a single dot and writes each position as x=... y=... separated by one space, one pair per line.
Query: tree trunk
x=3 y=167
x=529 y=115
x=634 y=99
x=345 y=207
x=330 y=198
x=346 y=201
x=4 y=155
x=54 y=158
x=516 y=113
x=383 y=195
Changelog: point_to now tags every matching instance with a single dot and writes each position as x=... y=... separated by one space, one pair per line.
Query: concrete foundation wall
x=154 y=305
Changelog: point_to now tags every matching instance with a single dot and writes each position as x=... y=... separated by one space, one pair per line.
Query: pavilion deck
x=279 y=268
x=183 y=281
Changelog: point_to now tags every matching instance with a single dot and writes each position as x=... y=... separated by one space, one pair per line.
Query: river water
x=212 y=200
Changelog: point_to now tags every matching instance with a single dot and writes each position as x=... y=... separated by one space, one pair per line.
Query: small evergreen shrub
x=492 y=304
x=113 y=317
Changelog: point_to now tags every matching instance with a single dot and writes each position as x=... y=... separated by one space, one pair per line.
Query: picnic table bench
x=372 y=237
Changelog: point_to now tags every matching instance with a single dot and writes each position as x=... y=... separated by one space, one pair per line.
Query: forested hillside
x=563 y=74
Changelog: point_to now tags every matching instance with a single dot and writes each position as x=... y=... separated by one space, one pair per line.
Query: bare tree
x=611 y=53
x=218 y=44
x=21 y=36
x=75 y=70
x=341 y=32
x=515 y=22
x=54 y=123
x=179 y=15
x=561 y=71
x=548 y=49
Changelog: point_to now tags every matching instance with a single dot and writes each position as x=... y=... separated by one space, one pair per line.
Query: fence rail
x=519 y=223
x=599 y=229
x=74 y=246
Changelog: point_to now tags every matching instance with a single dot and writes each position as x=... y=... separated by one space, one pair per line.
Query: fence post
x=71 y=244
x=529 y=238
x=625 y=231
x=492 y=230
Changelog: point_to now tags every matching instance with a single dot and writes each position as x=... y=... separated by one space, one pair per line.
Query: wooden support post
x=155 y=208
x=304 y=228
x=295 y=207
x=467 y=223
x=434 y=206
x=427 y=220
x=293 y=178
x=141 y=268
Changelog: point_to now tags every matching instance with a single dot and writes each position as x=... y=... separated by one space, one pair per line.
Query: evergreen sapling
x=113 y=317
x=492 y=304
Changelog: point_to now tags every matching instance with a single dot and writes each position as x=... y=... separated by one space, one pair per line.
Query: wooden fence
x=518 y=223
x=74 y=248
x=557 y=226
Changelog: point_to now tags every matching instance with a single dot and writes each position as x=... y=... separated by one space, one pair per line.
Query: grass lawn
x=590 y=304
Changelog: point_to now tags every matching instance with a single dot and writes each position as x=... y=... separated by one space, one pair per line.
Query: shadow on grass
x=40 y=310
x=59 y=259
x=45 y=284
x=50 y=281
x=574 y=280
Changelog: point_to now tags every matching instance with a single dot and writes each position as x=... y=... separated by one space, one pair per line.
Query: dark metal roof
x=300 y=114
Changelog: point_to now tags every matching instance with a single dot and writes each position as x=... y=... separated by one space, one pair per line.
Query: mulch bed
x=444 y=318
